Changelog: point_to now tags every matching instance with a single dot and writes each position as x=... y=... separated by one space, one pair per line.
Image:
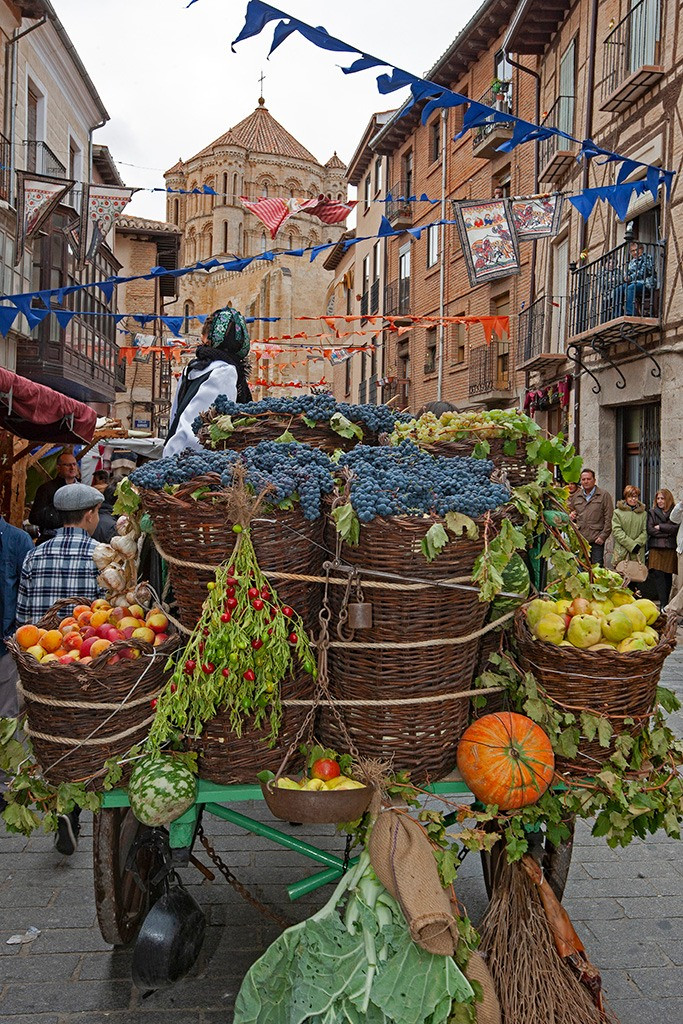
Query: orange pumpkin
x=506 y=759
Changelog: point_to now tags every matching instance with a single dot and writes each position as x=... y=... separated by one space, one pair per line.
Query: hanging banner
x=537 y=216
x=488 y=238
x=276 y=212
x=101 y=206
x=37 y=196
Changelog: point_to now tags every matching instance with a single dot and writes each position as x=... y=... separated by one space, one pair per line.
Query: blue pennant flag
x=143 y=318
x=385 y=228
x=174 y=323
x=7 y=317
x=64 y=317
x=107 y=288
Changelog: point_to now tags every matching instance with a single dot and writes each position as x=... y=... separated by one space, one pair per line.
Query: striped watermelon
x=161 y=788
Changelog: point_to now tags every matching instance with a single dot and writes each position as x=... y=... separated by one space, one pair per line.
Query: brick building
x=602 y=70
x=257 y=157
x=142 y=243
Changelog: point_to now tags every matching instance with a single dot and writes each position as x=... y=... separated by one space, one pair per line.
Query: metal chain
x=240 y=889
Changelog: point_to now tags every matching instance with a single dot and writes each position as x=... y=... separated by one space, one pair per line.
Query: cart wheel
x=121 y=903
x=555 y=860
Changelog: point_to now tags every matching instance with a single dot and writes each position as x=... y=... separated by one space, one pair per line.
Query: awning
x=37 y=413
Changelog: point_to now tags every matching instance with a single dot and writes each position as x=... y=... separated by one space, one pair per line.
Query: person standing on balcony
x=661 y=533
x=639 y=280
x=220 y=367
x=591 y=512
x=43 y=513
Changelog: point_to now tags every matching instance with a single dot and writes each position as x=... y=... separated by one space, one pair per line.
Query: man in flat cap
x=63 y=567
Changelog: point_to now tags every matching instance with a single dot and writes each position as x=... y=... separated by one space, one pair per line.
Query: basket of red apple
x=90 y=681
x=603 y=658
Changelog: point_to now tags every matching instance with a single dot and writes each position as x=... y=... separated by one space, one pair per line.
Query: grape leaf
x=285 y=438
x=481 y=449
x=127 y=499
x=434 y=541
x=347 y=523
x=309 y=422
x=458 y=524
x=344 y=427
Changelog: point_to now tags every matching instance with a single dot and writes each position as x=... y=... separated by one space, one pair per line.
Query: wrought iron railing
x=531 y=330
x=364 y=303
x=632 y=44
x=626 y=281
x=560 y=115
x=500 y=97
x=41 y=159
x=362 y=392
x=490 y=368
x=374 y=297
x=372 y=390
x=397 y=297
x=398 y=206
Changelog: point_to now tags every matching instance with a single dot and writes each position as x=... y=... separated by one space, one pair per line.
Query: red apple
x=137 y=611
x=86 y=660
x=157 y=621
x=88 y=632
x=129 y=653
x=128 y=632
x=86 y=646
x=103 y=631
x=160 y=639
x=116 y=614
x=72 y=641
x=114 y=658
x=68 y=659
x=579 y=606
x=98 y=646
x=115 y=634
x=127 y=621
x=100 y=603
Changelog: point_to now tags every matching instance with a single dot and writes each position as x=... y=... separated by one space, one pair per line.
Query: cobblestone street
x=627 y=906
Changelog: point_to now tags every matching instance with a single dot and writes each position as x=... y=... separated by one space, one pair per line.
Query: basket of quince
x=329 y=792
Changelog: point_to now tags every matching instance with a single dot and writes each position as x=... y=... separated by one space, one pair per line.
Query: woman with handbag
x=662 y=558
x=629 y=529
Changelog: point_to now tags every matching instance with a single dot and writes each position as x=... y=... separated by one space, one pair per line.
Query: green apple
x=649 y=631
x=647 y=637
x=649 y=610
x=536 y=609
x=621 y=597
x=584 y=631
x=600 y=608
x=631 y=644
x=636 y=616
x=617 y=625
x=562 y=606
x=550 y=627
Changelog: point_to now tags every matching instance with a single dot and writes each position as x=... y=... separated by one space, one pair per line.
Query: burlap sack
x=403 y=860
x=488 y=1010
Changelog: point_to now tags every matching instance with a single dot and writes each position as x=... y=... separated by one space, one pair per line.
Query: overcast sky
x=171 y=84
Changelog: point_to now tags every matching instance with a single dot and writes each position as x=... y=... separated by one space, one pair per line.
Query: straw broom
x=534 y=982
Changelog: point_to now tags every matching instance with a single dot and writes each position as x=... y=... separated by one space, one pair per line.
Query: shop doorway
x=639 y=449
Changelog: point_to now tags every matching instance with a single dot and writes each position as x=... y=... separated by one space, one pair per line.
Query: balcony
x=490 y=135
x=397 y=298
x=83 y=364
x=490 y=378
x=617 y=296
x=369 y=302
x=556 y=155
x=398 y=210
x=541 y=329
x=631 y=57
x=41 y=160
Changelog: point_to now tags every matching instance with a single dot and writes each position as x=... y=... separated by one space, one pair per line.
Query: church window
x=176 y=211
x=225 y=236
x=225 y=187
x=263 y=242
x=235 y=189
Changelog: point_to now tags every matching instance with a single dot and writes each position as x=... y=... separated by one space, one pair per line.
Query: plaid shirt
x=61 y=567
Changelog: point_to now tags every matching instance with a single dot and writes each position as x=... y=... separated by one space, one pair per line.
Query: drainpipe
x=583 y=233
x=537 y=114
x=442 y=247
x=10 y=112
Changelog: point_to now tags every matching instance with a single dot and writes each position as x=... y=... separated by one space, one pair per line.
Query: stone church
x=258 y=157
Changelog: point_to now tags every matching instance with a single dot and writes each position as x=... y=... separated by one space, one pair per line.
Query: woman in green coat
x=629 y=527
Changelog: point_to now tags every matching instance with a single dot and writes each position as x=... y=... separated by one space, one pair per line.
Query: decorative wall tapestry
x=37 y=197
x=489 y=239
x=537 y=216
x=101 y=206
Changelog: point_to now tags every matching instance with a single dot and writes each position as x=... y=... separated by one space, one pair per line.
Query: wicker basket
x=226 y=758
x=607 y=684
x=421 y=738
x=82 y=738
x=199 y=531
x=516 y=468
x=271 y=425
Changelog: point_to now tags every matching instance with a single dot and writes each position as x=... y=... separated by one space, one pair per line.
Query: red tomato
x=325 y=768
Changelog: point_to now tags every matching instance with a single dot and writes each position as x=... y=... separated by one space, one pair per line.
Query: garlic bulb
x=126 y=546
x=112 y=578
x=103 y=555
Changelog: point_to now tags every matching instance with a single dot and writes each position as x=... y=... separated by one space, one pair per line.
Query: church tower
x=257 y=157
